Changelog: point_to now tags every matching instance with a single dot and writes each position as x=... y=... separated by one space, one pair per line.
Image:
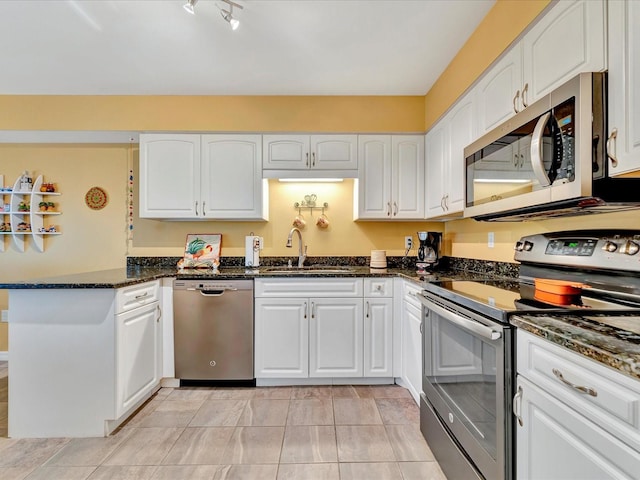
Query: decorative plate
x=96 y=198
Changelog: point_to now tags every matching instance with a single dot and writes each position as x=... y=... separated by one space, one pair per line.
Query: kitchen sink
x=317 y=269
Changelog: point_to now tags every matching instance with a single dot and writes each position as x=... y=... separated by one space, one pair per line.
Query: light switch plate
x=490 y=240
x=5 y=315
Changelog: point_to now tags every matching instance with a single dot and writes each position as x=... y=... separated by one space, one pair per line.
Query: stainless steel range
x=468 y=343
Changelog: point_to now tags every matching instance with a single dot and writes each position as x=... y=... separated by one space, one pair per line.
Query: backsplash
x=492 y=268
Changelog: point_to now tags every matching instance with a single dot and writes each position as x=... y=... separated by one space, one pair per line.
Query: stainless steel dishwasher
x=213 y=330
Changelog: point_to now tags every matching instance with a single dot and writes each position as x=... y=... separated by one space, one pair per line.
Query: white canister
x=378 y=259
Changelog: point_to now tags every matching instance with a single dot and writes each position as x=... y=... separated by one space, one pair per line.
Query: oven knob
x=450 y=417
x=527 y=246
x=630 y=248
x=610 y=246
x=519 y=246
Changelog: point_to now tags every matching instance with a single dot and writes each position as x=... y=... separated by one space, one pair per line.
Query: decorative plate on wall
x=96 y=198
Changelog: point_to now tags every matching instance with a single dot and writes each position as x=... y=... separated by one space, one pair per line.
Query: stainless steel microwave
x=548 y=160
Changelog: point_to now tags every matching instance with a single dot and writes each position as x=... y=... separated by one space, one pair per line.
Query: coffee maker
x=428 y=251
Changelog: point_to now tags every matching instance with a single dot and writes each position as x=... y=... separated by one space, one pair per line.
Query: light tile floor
x=280 y=433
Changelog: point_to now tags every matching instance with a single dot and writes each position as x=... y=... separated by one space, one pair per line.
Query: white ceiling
x=282 y=47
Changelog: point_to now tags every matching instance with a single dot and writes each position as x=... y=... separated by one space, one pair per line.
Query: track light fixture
x=228 y=14
x=190 y=6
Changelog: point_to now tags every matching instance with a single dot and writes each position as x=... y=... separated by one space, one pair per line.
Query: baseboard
x=4 y=356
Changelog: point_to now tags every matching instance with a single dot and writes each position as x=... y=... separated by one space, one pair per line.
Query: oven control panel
x=598 y=249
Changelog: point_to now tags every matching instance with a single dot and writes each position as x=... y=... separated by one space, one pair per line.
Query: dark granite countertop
x=144 y=269
x=615 y=343
x=123 y=277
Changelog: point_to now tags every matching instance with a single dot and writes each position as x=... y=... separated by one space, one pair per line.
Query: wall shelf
x=33 y=217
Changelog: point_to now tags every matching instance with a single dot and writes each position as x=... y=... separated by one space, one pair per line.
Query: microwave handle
x=537 y=162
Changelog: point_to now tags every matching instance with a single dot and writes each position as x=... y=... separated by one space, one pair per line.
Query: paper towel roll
x=378 y=259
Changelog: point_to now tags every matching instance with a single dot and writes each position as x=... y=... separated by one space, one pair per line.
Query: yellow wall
x=234 y=114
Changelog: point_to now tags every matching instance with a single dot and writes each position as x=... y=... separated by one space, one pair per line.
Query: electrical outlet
x=408 y=242
x=5 y=315
x=491 y=240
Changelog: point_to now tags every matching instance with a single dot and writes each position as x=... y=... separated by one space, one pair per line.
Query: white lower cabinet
x=319 y=328
x=571 y=433
x=137 y=355
x=411 y=372
x=85 y=366
x=335 y=337
x=281 y=337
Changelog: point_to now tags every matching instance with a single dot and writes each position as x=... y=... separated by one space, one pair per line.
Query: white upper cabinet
x=310 y=155
x=202 y=177
x=169 y=176
x=391 y=178
x=231 y=184
x=445 y=163
x=498 y=92
x=624 y=86
x=569 y=39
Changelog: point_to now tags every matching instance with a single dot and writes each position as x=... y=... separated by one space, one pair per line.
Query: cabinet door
x=373 y=192
x=556 y=442
x=407 y=177
x=412 y=348
x=461 y=133
x=335 y=337
x=624 y=85
x=231 y=177
x=286 y=152
x=568 y=39
x=170 y=176
x=436 y=146
x=378 y=337
x=496 y=92
x=334 y=152
x=281 y=338
x=136 y=355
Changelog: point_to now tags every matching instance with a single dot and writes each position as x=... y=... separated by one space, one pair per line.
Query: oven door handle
x=462 y=322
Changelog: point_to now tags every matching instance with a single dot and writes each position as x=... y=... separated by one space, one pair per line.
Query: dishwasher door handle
x=211 y=293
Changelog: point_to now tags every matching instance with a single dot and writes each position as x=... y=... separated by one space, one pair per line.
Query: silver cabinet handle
x=367 y=314
x=580 y=388
x=307 y=162
x=395 y=209
x=388 y=209
x=442 y=203
x=204 y=212
x=305 y=309
x=159 y=314
x=515 y=160
x=612 y=142
x=313 y=161
x=196 y=207
x=515 y=99
x=421 y=327
x=524 y=91
x=142 y=295
x=521 y=160
x=517 y=405
x=537 y=162
x=313 y=310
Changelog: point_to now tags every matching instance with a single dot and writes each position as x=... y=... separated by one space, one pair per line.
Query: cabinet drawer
x=128 y=298
x=378 y=287
x=309 y=287
x=616 y=403
x=409 y=292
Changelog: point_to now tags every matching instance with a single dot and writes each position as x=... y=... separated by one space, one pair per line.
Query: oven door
x=467 y=381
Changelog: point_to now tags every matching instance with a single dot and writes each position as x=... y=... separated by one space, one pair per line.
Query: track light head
x=190 y=6
x=228 y=14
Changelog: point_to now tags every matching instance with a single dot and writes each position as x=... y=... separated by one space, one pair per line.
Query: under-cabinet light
x=311 y=180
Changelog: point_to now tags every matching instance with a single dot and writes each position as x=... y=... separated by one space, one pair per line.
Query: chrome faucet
x=301 y=255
